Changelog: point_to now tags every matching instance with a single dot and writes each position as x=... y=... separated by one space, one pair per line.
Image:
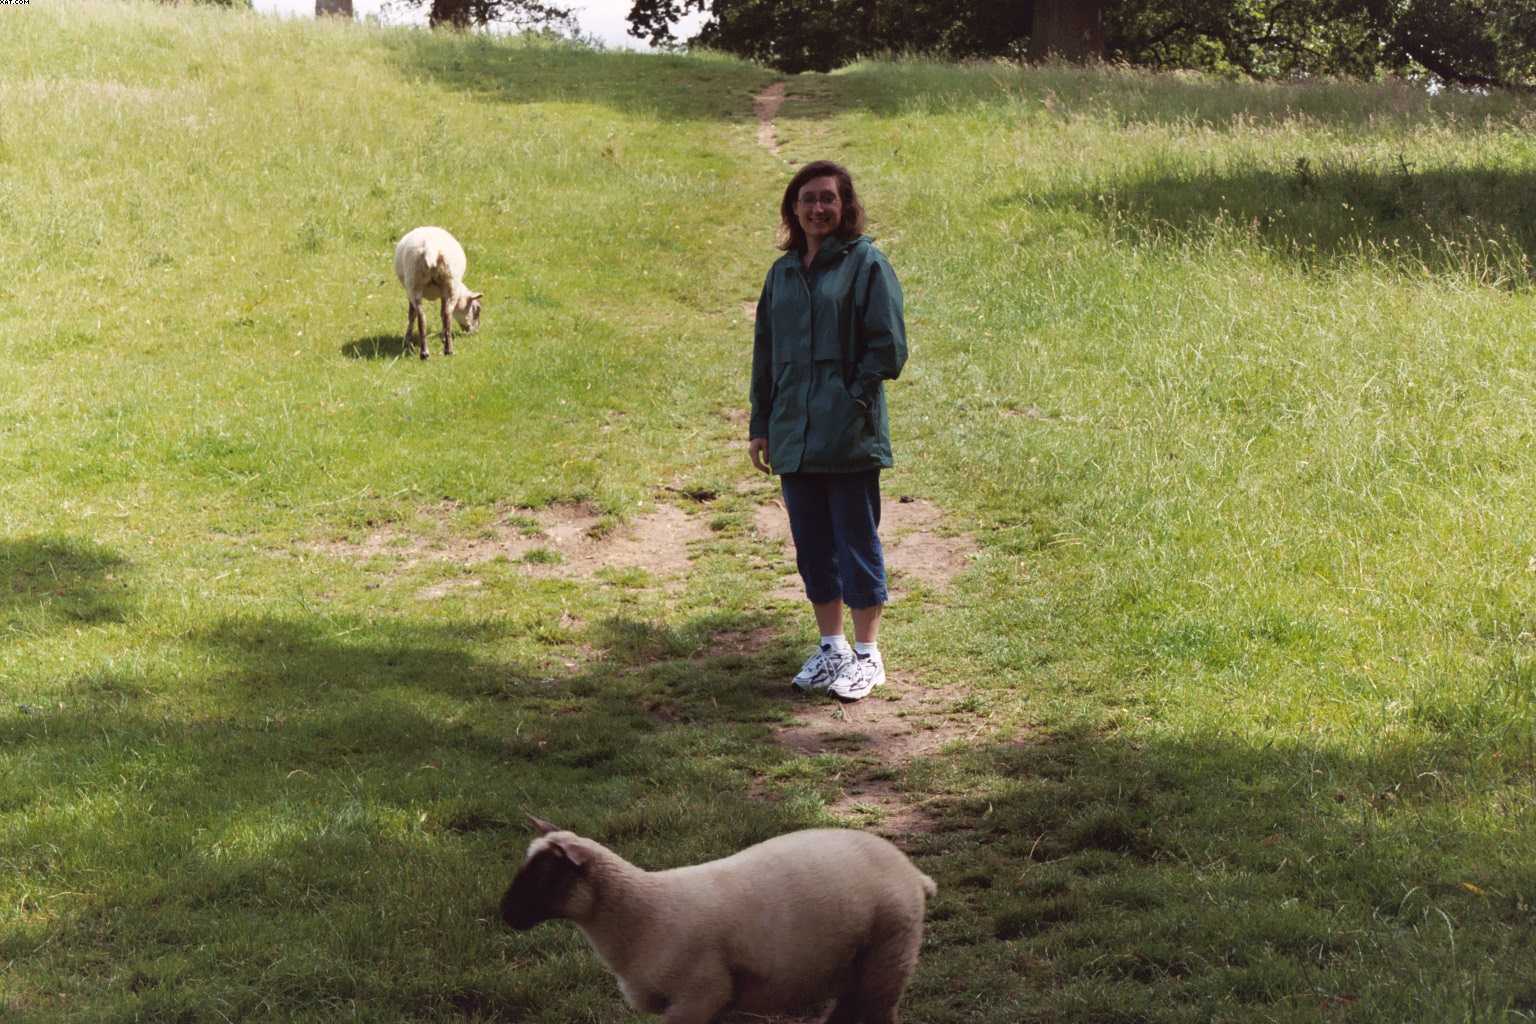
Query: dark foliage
x=478 y=13
x=1480 y=43
x=797 y=37
x=1474 y=43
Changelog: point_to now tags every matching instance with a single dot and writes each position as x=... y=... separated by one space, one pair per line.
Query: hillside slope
x=1219 y=408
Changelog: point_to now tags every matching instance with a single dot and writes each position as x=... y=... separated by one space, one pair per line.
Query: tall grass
x=1231 y=382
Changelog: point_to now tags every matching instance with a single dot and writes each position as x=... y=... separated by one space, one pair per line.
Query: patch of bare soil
x=564 y=541
x=766 y=106
x=916 y=549
x=438 y=591
x=744 y=641
x=882 y=735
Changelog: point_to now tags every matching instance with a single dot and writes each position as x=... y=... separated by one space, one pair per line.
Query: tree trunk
x=340 y=8
x=1068 y=29
x=454 y=13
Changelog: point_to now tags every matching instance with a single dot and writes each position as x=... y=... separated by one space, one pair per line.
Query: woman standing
x=829 y=333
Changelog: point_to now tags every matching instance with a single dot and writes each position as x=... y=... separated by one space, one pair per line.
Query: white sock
x=837 y=643
x=865 y=650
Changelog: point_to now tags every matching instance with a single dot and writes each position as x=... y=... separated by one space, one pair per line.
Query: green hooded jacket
x=825 y=340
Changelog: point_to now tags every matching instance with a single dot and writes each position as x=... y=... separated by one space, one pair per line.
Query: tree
x=653 y=19
x=1476 y=43
x=794 y=36
x=338 y=8
x=466 y=14
x=1490 y=44
x=1067 y=29
x=1484 y=43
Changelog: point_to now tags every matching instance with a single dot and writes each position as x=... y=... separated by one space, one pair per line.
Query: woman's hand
x=758 y=449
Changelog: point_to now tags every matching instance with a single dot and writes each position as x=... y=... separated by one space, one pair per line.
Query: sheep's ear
x=541 y=826
x=477 y=296
x=576 y=856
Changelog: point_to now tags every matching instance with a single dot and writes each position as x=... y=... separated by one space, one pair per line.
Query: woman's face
x=819 y=208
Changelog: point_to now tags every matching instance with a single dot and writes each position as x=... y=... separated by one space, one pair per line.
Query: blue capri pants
x=835 y=521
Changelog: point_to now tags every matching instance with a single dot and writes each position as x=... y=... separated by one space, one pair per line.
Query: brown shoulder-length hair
x=791 y=234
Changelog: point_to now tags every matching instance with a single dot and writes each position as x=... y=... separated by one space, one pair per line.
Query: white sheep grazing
x=784 y=925
x=430 y=263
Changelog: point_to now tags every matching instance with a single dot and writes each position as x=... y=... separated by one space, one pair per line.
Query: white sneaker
x=822 y=667
x=862 y=674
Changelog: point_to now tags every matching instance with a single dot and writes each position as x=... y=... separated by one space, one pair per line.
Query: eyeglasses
x=810 y=199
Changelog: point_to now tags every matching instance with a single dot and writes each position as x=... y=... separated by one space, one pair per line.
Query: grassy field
x=1231 y=384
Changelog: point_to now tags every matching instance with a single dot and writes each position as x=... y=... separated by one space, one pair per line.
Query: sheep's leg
x=882 y=977
x=411 y=313
x=708 y=994
x=420 y=320
x=421 y=338
x=447 y=329
x=693 y=1011
x=846 y=1010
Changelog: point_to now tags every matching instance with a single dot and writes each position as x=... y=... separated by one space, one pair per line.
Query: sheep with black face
x=787 y=924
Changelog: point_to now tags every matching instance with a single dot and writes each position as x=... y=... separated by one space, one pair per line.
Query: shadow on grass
x=335 y=795
x=666 y=87
x=370 y=706
x=263 y=656
x=377 y=346
x=46 y=582
x=672 y=87
x=1208 y=879
x=318 y=776
x=1125 y=96
x=1477 y=222
x=715 y=87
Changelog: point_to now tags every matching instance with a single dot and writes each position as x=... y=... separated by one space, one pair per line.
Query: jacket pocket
x=841 y=432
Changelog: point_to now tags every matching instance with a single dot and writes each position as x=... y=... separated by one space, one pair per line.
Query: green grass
x=1231 y=383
